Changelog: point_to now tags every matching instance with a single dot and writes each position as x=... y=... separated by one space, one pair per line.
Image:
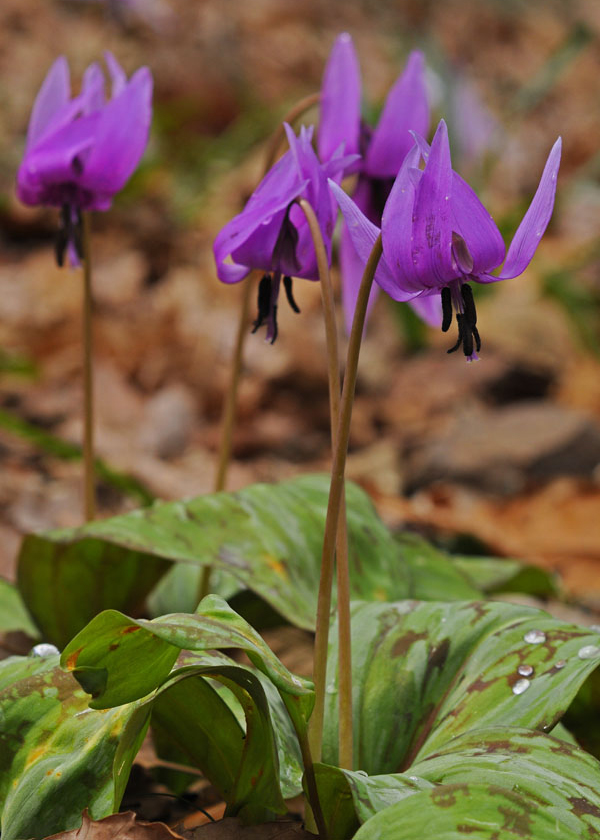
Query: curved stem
x=292 y=115
x=341 y=550
x=88 y=381
x=336 y=493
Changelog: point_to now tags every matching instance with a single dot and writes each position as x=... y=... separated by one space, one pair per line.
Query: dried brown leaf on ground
x=232 y=828
x=123 y=826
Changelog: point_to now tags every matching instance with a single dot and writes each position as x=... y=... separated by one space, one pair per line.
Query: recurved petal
x=473 y=222
x=363 y=234
x=121 y=136
x=339 y=120
x=92 y=89
x=53 y=95
x=351 y=265
x=117 y=74
x=432 y=217
x=535 y=221
x=406 y=108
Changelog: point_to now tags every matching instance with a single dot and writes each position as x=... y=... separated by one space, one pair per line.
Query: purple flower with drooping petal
x=437 y=236
x=383 y=148
x=271 y=233
x=81 y=150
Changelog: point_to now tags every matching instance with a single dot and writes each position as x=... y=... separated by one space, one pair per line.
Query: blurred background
x=499 y=456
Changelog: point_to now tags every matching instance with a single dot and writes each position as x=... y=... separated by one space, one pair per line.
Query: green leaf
x=13 y=614
x=101 y=658
x=432 y=574
x=426 y=672
x=478 y=811
x=557 y=776
x=493 y=574
x=349 y=797
x=267 y=537
x=57 y=756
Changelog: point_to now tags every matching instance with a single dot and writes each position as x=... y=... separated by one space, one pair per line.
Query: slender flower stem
x=230 y=404
x=311 y=785
x=292 y=115
x=341 y=552
x=88 y=381
x=336 y=494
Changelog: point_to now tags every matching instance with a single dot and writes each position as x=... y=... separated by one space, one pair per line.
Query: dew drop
x=588 y=652
x=525 y=670
x=534 y=637
x=520 y=686
x=560 y=664
x=594 y=627
x=43 y=649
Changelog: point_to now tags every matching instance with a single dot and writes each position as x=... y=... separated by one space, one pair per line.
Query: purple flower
x=81 y=150
x=383 y=148
x=271 y=233
x=437 y=236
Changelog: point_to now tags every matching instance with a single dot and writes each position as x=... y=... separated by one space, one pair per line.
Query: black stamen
x=62 y=235
x=77 y=231
x=446 y=309
x=287 y=285
x=264 y=301
x=275 y=327
x=467 y=339
x=284 y=252
x=461 y=329
x=476 y=337
x=470 y=311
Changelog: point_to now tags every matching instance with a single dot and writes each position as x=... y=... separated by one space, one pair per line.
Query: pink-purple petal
x=432 y=223
x=406 y=108
x=121 y=136
x=117 y=74
x=428 y=308
x=534 y=223
x=473 y=222
x=339 y=121
x=397 y=221
x=53 y=95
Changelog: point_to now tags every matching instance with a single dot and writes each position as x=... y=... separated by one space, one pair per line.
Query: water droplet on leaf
x=560 y=664
x=588 y=652
x=520 y=686
x=43 y=649
x=534 y=637
x=525 y=670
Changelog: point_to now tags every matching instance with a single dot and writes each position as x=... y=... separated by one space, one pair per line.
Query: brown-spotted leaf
x=426 y=672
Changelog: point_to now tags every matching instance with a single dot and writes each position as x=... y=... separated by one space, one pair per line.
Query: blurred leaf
x=493 y=574
x=66 y=451
x=13 y=614
x=266 y=537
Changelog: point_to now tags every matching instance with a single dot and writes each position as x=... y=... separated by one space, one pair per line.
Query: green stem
x=311 y=785
x=292 y=115
x=336 y=494
x=341 y=551
x=88 y=380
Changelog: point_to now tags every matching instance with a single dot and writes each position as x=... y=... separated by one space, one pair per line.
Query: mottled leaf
x=477 y=811
x=493 y=574
x=266 y=537
x=426 y=672
x=57 y=756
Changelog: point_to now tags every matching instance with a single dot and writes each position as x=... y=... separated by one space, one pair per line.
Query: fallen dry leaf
x=123 y=826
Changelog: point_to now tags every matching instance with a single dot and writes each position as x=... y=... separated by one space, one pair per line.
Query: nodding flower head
x=271 y=233
x=438 y=237
x=81 y=150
